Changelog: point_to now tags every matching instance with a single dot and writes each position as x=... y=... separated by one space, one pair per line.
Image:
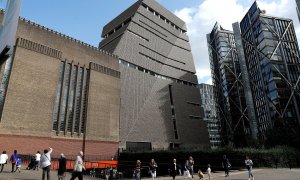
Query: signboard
x=9 y=26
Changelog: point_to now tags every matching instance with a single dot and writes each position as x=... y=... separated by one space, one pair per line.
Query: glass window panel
x=72 y=98
x=85 y=89
x=78 y=100
x=65 y=98
x=58 y=94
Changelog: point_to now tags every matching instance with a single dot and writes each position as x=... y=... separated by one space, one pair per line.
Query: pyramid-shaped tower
x=160 y=100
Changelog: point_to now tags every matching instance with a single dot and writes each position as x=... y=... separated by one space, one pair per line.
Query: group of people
x=14 y=159
x=189 y=168
x=227 y=165
x=44 y=161
x=46 y=165
x=138 y=168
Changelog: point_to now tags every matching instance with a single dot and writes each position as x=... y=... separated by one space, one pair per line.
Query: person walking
x=153 y=167
x=249 y=164
x=61 y=173
x=3 y=160
x=18 y=165
x=137 y=170
x=78 y=167
x=191 y=166
x=13 y=160
x=187 y=169
x=173 y=169
x=226 y=165
x=46 y=163
x=37 y=161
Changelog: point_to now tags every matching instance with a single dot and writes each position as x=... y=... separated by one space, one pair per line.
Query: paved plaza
x=260 y=174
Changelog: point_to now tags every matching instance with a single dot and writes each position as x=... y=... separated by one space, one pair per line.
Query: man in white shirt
x=37 y=160
x=78 y=167
x=46 y=163
x=3 y=160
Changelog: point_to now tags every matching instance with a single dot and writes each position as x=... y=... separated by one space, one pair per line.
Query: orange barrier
x=88 y=165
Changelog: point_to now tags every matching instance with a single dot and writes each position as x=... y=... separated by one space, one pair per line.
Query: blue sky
x=84 y=19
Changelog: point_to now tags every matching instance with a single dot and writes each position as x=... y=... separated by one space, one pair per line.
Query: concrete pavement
x=260 y=174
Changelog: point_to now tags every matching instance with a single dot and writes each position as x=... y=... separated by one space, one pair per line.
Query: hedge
x=275 y=157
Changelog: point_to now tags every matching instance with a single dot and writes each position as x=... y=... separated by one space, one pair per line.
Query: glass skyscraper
x=227 y=79
x=297 y=8
x=210 y=114
x=272 y=58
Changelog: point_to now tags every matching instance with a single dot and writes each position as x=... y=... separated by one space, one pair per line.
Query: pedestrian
x=249 y=164
x=3 y=160
x=13 y=160
x=180 y=169
x=200 y=174
x=137 y=170
x=153 y=166
x=173 y=169
x=18 y=164
x=208 y=171
x=191 y=166
x=107 y=173
x=62 y=167
x=31 y=165
x=226 y=165
x=46 y=162
x=37 y=161
x=186 y=172
x=78 y=167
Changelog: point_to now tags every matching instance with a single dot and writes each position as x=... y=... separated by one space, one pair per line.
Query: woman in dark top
x=225 y=165
x=62 y=167
x=153 y=166
x=173 y=169
x=137 y=170
x=13 y=160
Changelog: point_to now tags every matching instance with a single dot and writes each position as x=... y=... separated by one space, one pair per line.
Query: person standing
x=153 y=167
x=46 y=163
x=208 y=171
x=13 y=160
x=37 y=160
x=78 y=167
x=107 y=173
x=249 y=164
x=61 y=173
x=3 y=160
x=137 y=170
x=191 y=166
x=226 y=165
x=173 y=169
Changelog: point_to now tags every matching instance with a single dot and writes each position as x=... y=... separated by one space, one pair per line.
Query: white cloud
x=200 y=21
x=209 y=81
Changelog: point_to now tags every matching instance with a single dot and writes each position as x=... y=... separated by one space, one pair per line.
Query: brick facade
x=60 y=91
x=30 y=144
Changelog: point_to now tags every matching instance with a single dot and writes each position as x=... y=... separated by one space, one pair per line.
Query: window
x=65 y=98
x=58 y=95
x=71 y=99
x=78 y=100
